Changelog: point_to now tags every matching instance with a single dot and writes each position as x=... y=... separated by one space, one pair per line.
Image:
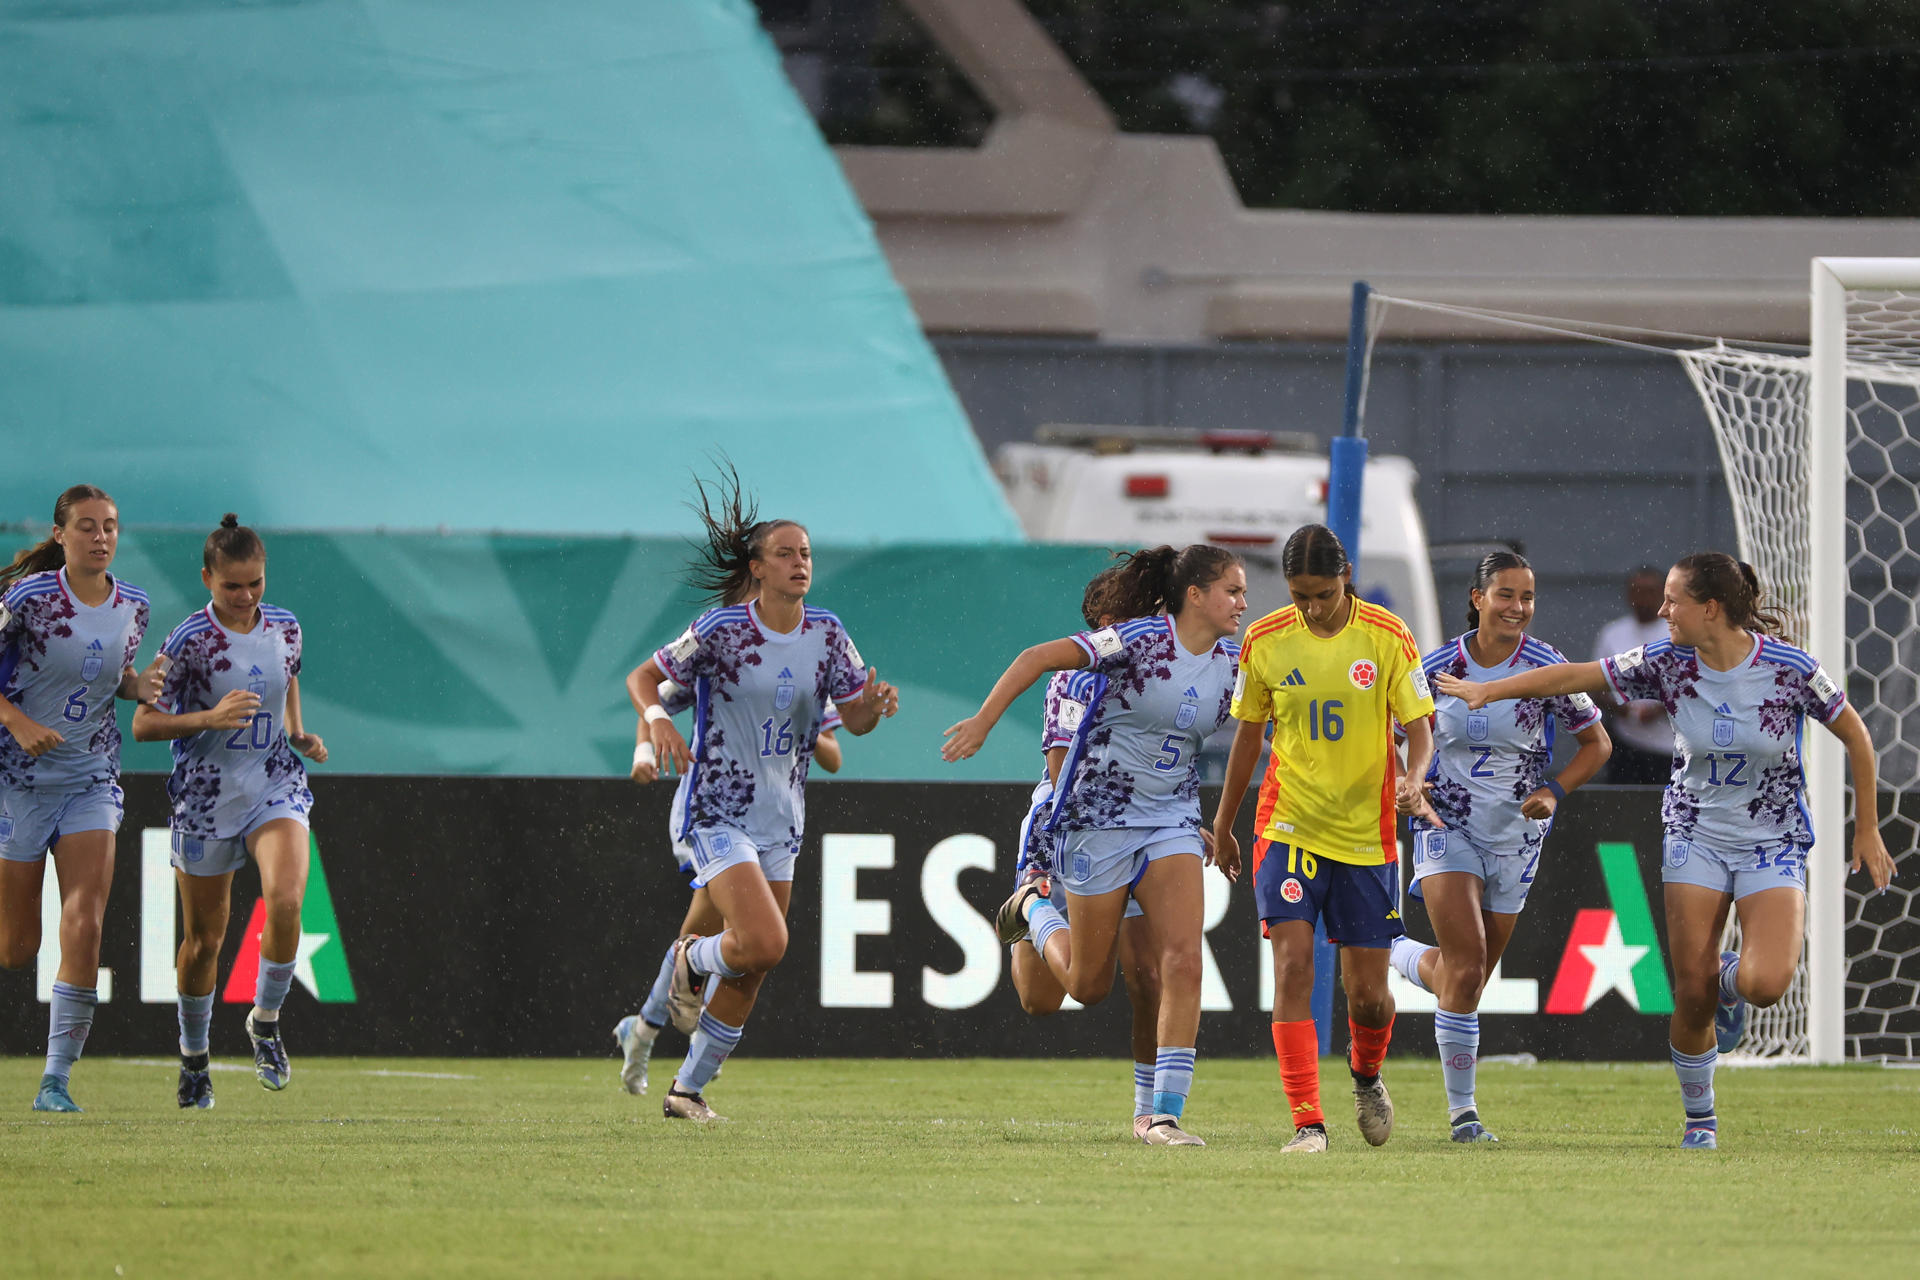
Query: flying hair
x=1155 y=580
x=735 y=537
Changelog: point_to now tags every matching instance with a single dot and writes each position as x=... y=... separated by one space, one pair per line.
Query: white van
x=1127 y=487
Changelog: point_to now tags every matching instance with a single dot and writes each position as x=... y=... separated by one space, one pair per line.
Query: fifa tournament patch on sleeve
x=1106 y=642
x=1582 y=704
x=1240 y=684
x=1630 y=659
x=683 y=648
x=1820 y=682
x=1418 y=677
x=6 y=616
x=1071 y=714
x=853 y=656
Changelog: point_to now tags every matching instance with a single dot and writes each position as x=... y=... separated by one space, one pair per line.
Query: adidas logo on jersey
x=255 y=672
x=1294 y=677
x=786 y=673
x=1724 y=709
x=94 y=647
x=1191 y=692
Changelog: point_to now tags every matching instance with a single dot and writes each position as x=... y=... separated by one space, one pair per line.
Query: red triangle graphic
x=246 y=968
x=1569 y=994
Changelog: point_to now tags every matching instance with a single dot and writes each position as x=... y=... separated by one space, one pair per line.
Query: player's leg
x=83 y=862
x=702 y=916
x=1696 y=915
x=1288 y=890
x=205 y=904
x=636 y=1035
x=1172 y=891
x=1770 y=895
x=1097 y=869
x=1456 y=972
x=280 y=848
x=1140 y=971
x=1034 y=982
x=21 y=883
x=1363 y=918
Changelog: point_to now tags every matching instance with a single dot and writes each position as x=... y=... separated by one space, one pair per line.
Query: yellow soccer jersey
x=1329 y=788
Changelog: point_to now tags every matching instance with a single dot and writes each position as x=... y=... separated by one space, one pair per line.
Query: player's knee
x=1765 y=987
x=1143 y=985
x=1467 y=977
x=283 y=908
x=1180 y=969
x=1091 y=988
x=1040 y=1006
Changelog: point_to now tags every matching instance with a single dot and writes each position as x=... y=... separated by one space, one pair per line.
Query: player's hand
x=668 y=747
x=1471 y=692
x=1870 y=851
x=1410 y=798
x=1225 y=853
x=1206 y=845
x=881 y=696
x=34 y=738
x=147 y=685
x=1540 y=804
x=234 y=710
x=310 y=746
x=965 y=738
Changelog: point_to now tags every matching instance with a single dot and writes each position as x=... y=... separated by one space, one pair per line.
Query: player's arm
x=655 y=736
x=1869 y=850
x=1540 y=682
x=307 y=744
x=143 y=686
x=1056 y=756
x=1242 y=758
x=1595 y=747
x=969 y=735
x=34 y=738
x=826 y=751
x=1410 y=791
x=877 y=699
x=151 y=724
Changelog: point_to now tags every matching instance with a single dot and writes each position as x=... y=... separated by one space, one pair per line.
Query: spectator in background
x=1642 y=734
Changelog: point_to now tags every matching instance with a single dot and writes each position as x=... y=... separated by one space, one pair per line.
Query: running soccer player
x=635 y=1034
x=762 y=674
x=1126 y=812
x=231 y=709
x=1737 y=828
x=1490 y=790
x=1039 y=990
x=69 y=632
x=1333 y=673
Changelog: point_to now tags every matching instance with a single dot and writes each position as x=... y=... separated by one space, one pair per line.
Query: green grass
x=961 y=1168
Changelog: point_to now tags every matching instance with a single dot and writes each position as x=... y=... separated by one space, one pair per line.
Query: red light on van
x=1242 y=539
x=1146 y=486
x=1221 y=441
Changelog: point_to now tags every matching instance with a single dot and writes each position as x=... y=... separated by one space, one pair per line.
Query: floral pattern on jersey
x=1666 y=679
x=1051 y=732
x=1451 y=800
x=1533 y=765
x=1098 y=797
x=37 y=621
x=1776 y=800
x=1679 y=812
x=199 y=783
x=1147 y=658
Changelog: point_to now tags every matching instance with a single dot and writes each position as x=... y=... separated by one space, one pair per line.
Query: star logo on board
x=1612 y=960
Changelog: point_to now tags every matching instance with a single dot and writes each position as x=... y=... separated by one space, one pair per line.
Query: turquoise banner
x=507 y=655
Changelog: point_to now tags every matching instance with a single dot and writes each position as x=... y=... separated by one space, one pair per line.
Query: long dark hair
x=1097 y=601
x=1491 y=565
x=232 y=541
x=1715 y=575
x=1314 y=551
x=50 y=554
x=1156 y=579
x=722 y=569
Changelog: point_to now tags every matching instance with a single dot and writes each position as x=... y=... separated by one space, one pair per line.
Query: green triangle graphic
x=332 y=983
x=1628 y=893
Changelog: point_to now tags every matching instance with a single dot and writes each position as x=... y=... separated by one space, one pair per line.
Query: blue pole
x=1347 y=452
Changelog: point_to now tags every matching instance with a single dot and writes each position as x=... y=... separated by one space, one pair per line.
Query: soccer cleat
x=635 y=1038
x=680 y=1105
x=684 y=990
x=1469 y=1129
x=1729 y=1016
x=1140 y=1124
x=1310 y=1139
x=53 y=1096
x=196 y=1088
x=270 y=1065
x=1373 y=1109
x=1165 y=1131
x=1700 y=1138
x=1011 y=922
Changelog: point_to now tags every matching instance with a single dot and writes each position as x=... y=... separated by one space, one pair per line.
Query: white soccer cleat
x=1165 y=1131
x=683 y=992
x=679 y=1105
x=1140 y=1124
x=1373 y=1108
x=635 y=1038
x=1309 y=1140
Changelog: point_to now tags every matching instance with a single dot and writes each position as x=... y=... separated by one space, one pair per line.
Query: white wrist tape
x=656 y=713
x=643 y=754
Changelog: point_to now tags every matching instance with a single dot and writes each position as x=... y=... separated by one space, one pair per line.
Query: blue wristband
x=1553 y=785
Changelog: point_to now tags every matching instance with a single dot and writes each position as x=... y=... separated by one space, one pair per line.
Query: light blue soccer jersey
x=1486 y=762
x=760 y=699
x=1737 y=780
x=221 y=776
x=61 y=663
x=1149 y=705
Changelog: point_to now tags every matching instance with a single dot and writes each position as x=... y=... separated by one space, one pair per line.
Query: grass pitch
x=946 y=1168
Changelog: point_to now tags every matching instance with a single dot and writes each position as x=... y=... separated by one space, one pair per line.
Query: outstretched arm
x=969 y=735
x=1540 y=682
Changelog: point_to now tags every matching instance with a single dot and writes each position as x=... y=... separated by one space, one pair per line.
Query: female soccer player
x=1126 y=812
x=69 y=631
x=761 y=674
x=1332 y=673
x=1039 y=990
x=1737 y=830
x=231 y=708
x=1490 y=790
x=635 y=1034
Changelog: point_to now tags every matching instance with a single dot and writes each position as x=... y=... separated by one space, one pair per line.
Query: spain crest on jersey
x=1477 y=726
x=91 y=664
x=1188 y=713
x=1723 y=733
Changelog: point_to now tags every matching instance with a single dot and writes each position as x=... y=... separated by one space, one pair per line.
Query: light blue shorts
x=1036 y=840
x=717 y=848
x=31 y=822
x=1690 y=862
x=198 y=856
x=1096 y=862
x=1507 y=877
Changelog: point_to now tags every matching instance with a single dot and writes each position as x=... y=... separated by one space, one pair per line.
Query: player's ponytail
x=722 y=569
x=1097 y=601
x=1715 y=575
x=1491 y=565
x=50 y=554
x=1156 y=580
x=232 y=542
x=1314 y=551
